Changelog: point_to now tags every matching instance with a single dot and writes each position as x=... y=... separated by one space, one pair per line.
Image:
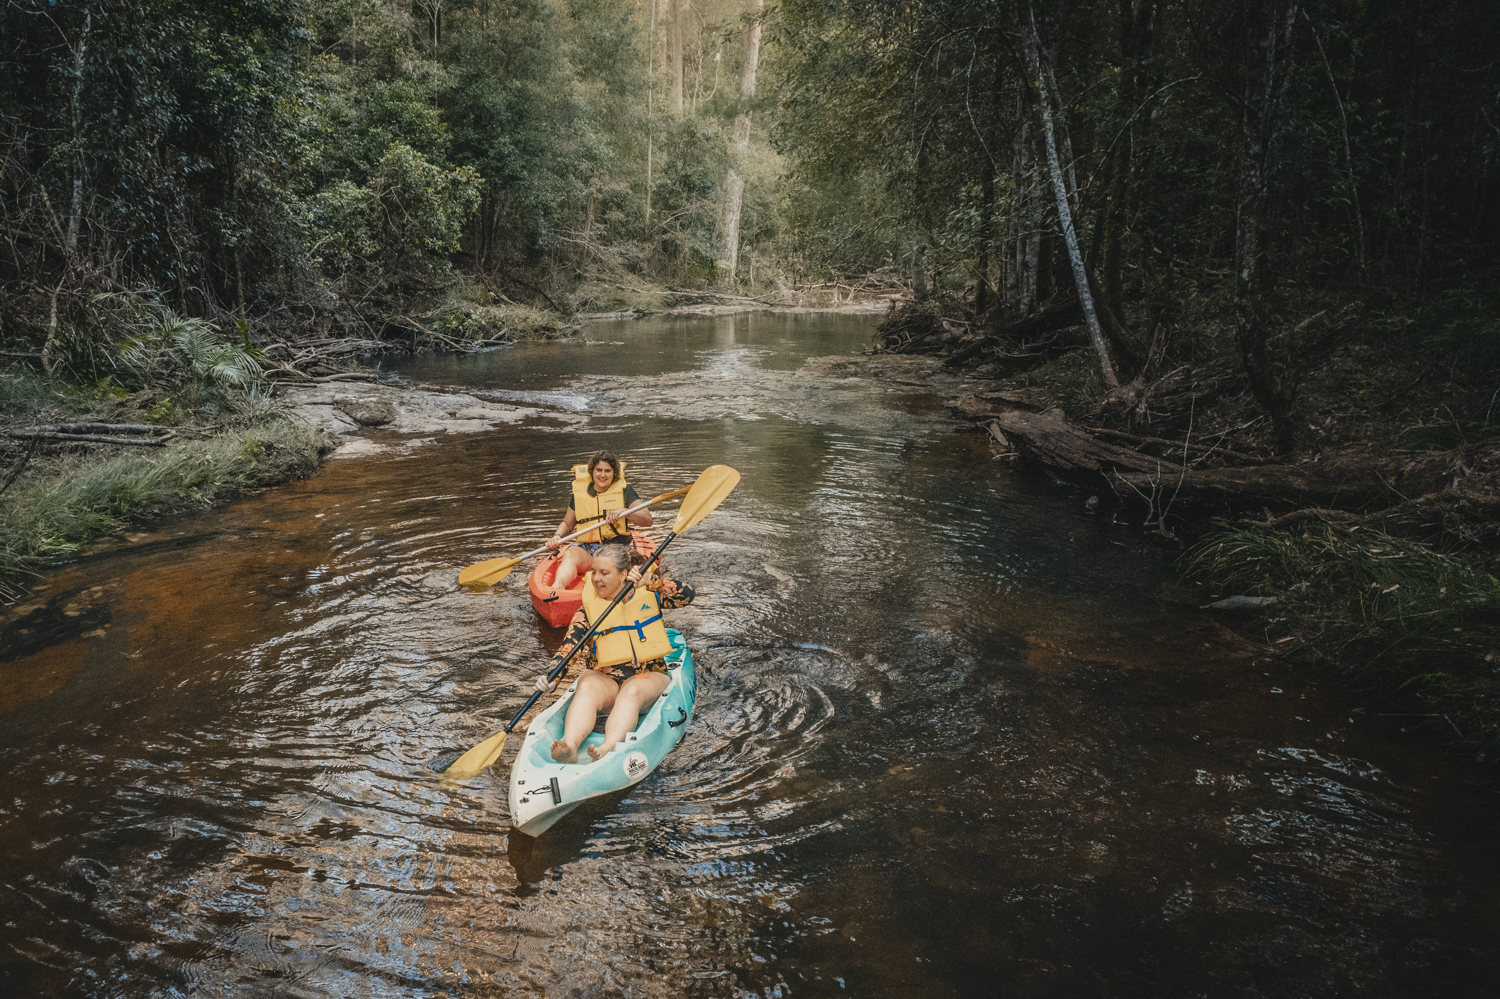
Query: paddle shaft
x=623 y=514
x=562 y=667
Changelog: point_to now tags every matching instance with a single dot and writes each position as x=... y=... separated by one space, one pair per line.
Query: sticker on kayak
x=636 y=765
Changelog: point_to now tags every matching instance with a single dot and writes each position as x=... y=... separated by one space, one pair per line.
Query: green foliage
x=1392 y=613
x=163 y=349
x=20 y=390
x=47 y=517
x=419 y=208
x=1071 y=381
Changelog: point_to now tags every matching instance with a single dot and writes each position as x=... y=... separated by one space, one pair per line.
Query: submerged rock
x=367 y=411
x=1240 y=602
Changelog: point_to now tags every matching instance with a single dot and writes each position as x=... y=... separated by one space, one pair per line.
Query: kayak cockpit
x=543 y=790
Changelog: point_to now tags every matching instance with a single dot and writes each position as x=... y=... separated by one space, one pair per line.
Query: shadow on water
x=951 y=739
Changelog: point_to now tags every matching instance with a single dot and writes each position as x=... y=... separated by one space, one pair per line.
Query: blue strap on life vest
x=639 y=627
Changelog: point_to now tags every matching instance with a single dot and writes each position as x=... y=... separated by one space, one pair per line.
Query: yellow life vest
x=633 y=632
x=590 y=509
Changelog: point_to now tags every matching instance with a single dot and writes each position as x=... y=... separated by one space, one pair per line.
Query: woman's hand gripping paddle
x=716 y=482
x=492 y=571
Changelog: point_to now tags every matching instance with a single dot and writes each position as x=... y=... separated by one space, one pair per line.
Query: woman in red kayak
x=600 y=495
x=627 y=668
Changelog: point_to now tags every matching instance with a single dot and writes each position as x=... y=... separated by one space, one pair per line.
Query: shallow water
x=951 y=738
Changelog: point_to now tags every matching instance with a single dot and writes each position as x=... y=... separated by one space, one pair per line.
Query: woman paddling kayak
x=627 y=668
x=600 y=494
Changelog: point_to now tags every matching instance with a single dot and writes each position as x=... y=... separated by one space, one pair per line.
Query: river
x=957 y=735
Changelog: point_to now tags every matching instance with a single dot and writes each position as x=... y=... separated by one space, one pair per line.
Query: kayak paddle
x=492 y=571
x=703 y=496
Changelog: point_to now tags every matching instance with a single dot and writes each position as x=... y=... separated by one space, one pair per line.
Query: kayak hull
x=542 y=791
x=557 y=607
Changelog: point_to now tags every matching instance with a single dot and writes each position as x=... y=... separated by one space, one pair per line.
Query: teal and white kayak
x=543 y=790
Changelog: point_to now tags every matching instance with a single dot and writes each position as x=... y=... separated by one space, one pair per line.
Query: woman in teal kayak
x=627 y=669
x=600 y=495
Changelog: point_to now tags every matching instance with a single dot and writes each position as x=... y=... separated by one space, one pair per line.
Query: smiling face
x=608 y=578
x=603 y=476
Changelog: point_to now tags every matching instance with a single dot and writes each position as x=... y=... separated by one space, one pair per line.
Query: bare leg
x=639 y=690
x=573 y=560
x=595 y=693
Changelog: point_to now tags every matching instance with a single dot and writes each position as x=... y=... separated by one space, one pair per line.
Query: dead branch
x=1138 y=439
x=94 y=438
x=94 y=428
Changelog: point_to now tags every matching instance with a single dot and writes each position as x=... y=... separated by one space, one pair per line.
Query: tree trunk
x=1137 y=19
x=1044 y=100
x=1359 y=218
x=1267 y=66
x=734 y=184
x=75 y=212
x=982 y=296
x=1025 y=249
x=650 y=72
x=677 y=56
x=982 y=292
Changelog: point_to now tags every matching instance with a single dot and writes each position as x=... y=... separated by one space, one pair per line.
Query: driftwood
x=1352 y=481
x=303 y=378
x=593 y=317
x=94 y=438
x=987 y=405
x=1331 y=484
x=1137 y=439
x=1169 y=402
x=94 y=428
x=1049 y=439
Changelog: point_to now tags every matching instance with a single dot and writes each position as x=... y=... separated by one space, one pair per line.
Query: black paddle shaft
x=562 y=667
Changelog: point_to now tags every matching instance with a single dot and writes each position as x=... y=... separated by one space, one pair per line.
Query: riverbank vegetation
x=1246 y=249
x=159 y=416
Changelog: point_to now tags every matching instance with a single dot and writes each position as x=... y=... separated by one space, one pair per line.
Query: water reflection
x=950 y=739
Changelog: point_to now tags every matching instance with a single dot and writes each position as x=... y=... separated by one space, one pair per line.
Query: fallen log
x=1350 y=481
x=971 y=350
x=1137 y=439
x=1330 y=484
x=95 y=427
x=983 y=406
x=303 y=378
x=94 y=438
x=1049 y=439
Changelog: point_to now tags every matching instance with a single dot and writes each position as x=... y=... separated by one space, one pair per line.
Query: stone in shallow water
x=1240 y=602
x=367 y=411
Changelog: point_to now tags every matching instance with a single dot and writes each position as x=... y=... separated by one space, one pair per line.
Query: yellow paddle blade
x=478 y=758
x=487 y=573
x=716 y=482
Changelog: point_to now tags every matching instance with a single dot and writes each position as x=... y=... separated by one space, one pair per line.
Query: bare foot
x=564 y=753
x=599 y=752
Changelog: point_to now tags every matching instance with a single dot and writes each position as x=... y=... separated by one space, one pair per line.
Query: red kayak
x=559 y=606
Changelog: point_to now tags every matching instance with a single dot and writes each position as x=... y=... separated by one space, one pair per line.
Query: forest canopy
x=326 y=164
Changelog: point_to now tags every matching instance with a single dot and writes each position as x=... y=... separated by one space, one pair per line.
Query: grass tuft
x=1072 y=381
x=49 y=514
x=1409 y=622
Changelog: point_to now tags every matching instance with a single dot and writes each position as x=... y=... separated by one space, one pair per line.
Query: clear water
x=953 y=738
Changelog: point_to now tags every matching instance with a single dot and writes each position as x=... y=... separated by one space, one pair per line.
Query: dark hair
x=610 y=459
x=618 y=554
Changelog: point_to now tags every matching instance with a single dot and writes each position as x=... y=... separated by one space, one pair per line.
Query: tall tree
x=734 y=184
x=1267 y=55
x=677 y=56
x=1046 y=98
